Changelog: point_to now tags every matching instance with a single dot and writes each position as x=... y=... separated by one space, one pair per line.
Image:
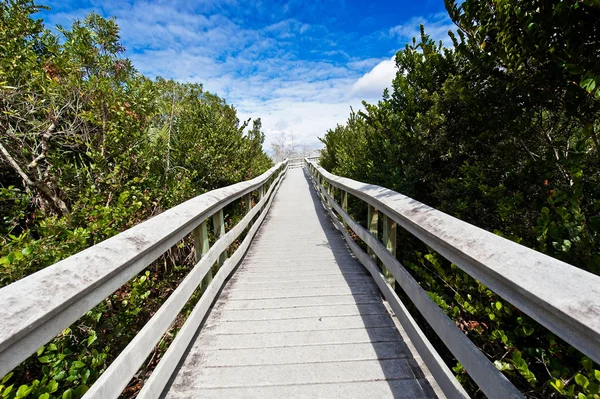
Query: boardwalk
x=299 y=318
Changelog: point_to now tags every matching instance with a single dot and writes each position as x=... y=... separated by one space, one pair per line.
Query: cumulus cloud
x=372 y=84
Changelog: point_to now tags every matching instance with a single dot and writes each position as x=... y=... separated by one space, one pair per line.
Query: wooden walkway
x=299 y=318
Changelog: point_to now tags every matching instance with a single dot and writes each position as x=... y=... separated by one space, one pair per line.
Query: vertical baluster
x=345 y=200
x=248 y=202
x=219 y=229
x=389 y=240
x=372 y=220
x=202 y=245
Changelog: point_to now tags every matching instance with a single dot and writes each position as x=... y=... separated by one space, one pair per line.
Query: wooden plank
x=359 y=389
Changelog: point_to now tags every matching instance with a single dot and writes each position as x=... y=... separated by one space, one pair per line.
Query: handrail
x=161 y=375
x=570 y=307
x=37 y=308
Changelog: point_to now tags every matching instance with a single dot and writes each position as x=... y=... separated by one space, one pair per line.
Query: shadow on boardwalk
x=343 y=256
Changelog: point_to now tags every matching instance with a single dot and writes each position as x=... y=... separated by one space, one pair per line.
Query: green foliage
x=500 y=131
x=88 y=148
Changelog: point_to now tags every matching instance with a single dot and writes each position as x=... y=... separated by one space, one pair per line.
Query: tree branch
x=57 y=203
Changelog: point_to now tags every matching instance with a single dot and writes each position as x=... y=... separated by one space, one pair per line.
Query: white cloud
x=372 y=84
x=436 y=26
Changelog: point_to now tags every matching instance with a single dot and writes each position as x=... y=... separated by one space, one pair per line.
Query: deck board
x=299 y=318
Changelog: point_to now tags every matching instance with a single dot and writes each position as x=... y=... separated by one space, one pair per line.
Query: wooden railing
x=299 y=162
x=37 y=308
x=561 y=297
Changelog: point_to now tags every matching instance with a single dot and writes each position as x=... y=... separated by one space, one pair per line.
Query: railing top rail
x=71 y=286
x=563 y=298
x=303 y=158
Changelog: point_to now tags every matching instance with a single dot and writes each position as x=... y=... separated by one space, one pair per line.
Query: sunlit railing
x=37 y=308
x=561 y=297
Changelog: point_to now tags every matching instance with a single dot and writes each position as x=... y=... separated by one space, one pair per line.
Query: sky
x=298 y=65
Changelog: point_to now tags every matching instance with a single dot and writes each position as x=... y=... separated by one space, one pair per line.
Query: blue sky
x=299 y=65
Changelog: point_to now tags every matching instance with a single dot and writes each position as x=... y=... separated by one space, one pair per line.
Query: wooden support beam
x=345 y=200
x=202 y=246
x=389 y=240
x=219 y=229
x=372 y=221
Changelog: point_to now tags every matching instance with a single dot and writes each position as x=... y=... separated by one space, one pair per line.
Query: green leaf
x=593 y=388
x=45 y=359
x=26 y=251
x=68 y=394
x=41 y=350
x=588 y=84
x=587 y=363
x=92 y=338
x=597 y=374
x=52 y=386
x=499 y=305
x=7 y=377
x=500 y=365
x=77 y=364
x=44 y=396
x=81 y=390
x=558 y=385
x=7 y=391
x=23 y=391
x=581 y=380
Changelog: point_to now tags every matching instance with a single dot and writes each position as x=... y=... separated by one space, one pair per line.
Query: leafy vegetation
x=501 y=131
x=88 y=148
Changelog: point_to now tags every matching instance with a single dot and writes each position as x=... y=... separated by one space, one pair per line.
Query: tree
x=88 y=148
x=499 y=131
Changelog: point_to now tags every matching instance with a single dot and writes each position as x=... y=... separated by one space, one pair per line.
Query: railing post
x=389 y=240
x=202 y=245
x=261 y=192
x=248 y=202
x=219 y=229
x=345 y=200
x=372 y=221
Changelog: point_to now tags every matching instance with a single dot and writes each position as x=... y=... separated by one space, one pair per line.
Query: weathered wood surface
x=35 y=309
x=561 y=297
x=300 y=318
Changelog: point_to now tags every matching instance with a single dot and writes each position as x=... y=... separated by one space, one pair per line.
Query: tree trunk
x=58 y=204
